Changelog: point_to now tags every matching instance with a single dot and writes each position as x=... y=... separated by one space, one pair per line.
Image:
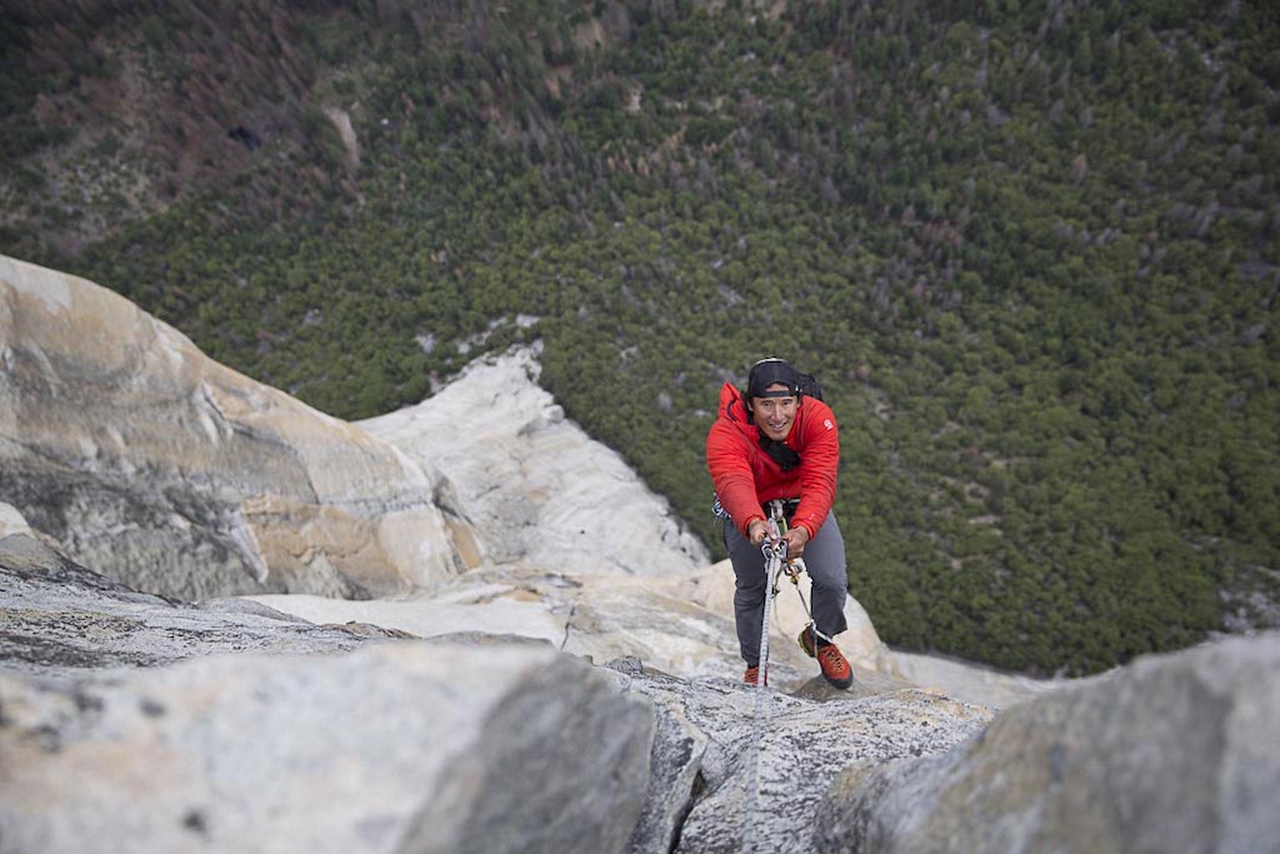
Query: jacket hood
x=733 y=407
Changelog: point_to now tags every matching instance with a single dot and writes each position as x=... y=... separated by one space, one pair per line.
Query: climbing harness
x=776 y=564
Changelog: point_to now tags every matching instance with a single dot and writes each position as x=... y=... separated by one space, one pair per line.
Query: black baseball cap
x=767 y=372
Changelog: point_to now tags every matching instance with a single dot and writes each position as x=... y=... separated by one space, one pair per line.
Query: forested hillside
x=1029 y=249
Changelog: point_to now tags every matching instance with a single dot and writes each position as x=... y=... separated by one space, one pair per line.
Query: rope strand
x=772 y=566
x=774 y=555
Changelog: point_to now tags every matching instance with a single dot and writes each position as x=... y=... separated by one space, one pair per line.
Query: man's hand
x=796 y=538
x=758 y=531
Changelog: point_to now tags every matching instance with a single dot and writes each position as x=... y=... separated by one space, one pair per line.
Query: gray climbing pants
x=825 y=562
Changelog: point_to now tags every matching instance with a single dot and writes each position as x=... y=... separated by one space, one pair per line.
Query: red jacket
x=745 y=476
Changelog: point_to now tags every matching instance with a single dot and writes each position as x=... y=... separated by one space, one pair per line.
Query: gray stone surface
x=535 y=487
x=132 y=722
x=398 y=747
x=731 y=770
x=164 y=469
x=91 y=669
x=1173 y=753
x=681 y=624
x=125 y=716
x=59 y=619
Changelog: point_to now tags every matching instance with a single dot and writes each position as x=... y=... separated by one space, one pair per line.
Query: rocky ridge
x=485 y=739
x=145 y=724
x=519 y=695
x=167 y=471
x=174 y=474
x=533 y=484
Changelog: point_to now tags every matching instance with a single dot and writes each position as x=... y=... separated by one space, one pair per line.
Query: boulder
x=1176 y=752
x=161 y=468
x=397 y=747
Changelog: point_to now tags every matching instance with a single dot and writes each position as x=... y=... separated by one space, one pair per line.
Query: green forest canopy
x=1030 y=251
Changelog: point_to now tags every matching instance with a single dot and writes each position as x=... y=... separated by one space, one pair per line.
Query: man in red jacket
x=775 y=442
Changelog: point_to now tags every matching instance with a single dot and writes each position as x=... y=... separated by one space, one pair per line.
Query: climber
x=778 y=440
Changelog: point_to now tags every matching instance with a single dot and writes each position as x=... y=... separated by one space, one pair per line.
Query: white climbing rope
x=773 y=557
x=774 y=550
x=776 y=564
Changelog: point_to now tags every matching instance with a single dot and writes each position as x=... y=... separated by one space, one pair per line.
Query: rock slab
x=60 y=620
x=161 y=468
x=533 y=485
x=735 y=771
x=1172 y=753
x=397 y=747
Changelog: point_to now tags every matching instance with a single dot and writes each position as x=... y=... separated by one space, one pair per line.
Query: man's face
x=774 y=415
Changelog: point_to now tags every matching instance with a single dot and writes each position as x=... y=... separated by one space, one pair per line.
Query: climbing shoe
x=753 y=675
x=835 y=669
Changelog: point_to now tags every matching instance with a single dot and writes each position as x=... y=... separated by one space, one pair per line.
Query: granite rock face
x=681 y=624
x=155 y=724
x=659 y=620
x=165 y=725
x=163 y=469
x=397 y=747
x=60 y=620
x=534 y=486
x=734 y=770
x=1175 y=752
x=464 y=713
x=130 y=722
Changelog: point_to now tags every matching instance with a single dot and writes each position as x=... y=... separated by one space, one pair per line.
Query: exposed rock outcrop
x=1173 y=753
x=170 y=472
x=376 y=742
x=532 y=483
x=62 y=620
x=396 y=747
x=402 y=746
x=163 y=469
x=681 y=624
x=728 y=777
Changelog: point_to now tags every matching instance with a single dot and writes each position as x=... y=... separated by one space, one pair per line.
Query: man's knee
x=829 y=583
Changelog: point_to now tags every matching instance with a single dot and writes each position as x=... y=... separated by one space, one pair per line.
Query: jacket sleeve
x=729 y=462
x=819 y=466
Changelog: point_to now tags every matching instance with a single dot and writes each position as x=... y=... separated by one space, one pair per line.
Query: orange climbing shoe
x=752 y=676
x=835 y=669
